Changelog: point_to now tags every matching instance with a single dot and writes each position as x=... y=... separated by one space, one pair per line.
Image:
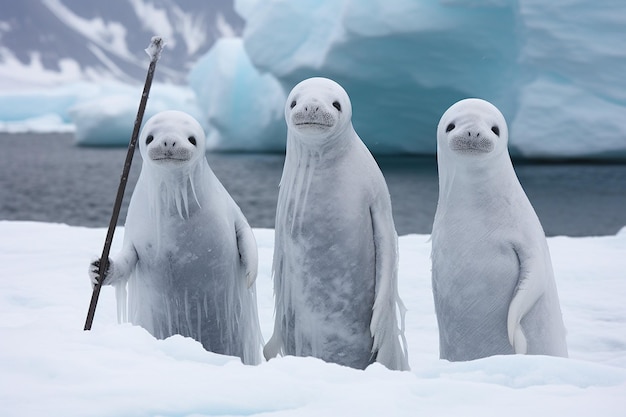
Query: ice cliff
x=555 y=69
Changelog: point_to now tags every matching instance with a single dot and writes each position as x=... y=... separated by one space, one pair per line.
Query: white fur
x=335 y=257
x=493 y=283
x=189 y=256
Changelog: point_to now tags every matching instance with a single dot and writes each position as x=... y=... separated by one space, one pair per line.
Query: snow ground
x=50 y=366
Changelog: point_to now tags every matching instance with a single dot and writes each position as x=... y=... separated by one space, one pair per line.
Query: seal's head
x=472 y=128
x=171 y=139
x=318 y=110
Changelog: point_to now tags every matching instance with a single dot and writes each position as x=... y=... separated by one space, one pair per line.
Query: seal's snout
x=311 y=108
x=170 y=148
x=169 y=143
x=312 y=115
x=472 y=140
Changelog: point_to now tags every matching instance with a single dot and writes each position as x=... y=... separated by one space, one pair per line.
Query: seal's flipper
x=248 y=253
x=384 y=325
x=273 y=346
x=530 y=288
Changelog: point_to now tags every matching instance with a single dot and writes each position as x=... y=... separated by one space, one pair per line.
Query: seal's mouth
x=169 y=161
x=165 y=157
x=318 y=120
x=463 y=145
x=170 y=158
x=320 y=124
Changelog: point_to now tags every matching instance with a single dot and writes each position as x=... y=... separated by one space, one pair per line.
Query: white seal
x=492 y=277
x=189 y=256
x=335 y=254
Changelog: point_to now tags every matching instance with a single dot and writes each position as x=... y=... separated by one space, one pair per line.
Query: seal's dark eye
x=496 y=130
x=192 y=140
x=337 y=105
x=450 y=127
x=293 y=104
x=149 y=139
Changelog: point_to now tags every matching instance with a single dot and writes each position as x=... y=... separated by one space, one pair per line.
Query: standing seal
x=335 y=253
x=492 y=277
x=189 y=256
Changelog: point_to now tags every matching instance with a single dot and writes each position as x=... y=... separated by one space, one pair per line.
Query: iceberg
x=99 y=114
x=554 y=70
x=45 y=123
x=32 y=103
x=242 y=108
x=107 y=117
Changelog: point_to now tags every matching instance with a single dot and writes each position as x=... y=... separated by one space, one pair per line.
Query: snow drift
x=50 y=366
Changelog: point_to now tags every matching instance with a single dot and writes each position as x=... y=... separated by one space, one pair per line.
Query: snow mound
x=117 y=370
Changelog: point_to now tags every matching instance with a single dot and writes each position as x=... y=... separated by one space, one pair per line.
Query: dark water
x=46 y=178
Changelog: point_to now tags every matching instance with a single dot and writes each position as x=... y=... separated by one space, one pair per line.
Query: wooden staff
x=154 y=50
